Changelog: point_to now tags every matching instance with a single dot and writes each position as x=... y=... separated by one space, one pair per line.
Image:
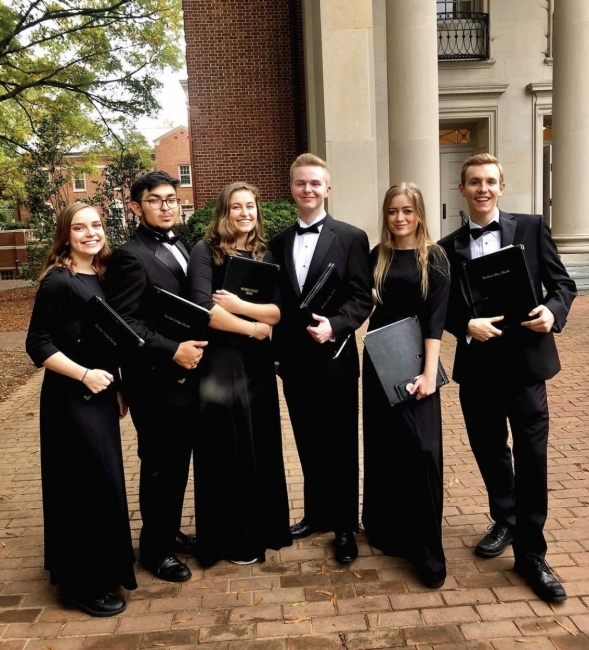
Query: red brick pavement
x=300 y=599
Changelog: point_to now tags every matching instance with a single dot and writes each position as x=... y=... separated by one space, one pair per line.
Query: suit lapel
x=289 y=236
x=462 y=243
x=508 y=226
x=180 y=246
x=324 y=243
x=163 y=255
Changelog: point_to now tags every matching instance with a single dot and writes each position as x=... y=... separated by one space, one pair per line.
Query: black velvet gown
x=88 y=547
x=403 y=489
x=241 y=501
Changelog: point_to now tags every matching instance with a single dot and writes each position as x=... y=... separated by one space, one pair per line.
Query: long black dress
x=88 y=547
x=403 y=490
x=241 y=501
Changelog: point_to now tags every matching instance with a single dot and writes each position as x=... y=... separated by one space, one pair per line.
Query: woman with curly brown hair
x=241 y=503
x=88 y=549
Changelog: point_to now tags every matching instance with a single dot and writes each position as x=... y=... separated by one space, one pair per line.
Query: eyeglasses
x=156 y=204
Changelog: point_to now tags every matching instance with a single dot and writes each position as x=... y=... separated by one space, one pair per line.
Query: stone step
x=580 y=275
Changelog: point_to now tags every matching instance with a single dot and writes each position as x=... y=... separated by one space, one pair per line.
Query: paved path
x=300 y=599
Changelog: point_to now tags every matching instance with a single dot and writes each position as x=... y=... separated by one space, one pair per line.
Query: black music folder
x=500 y=284
x=251 y=280
x=101 y=333
x=398 y=355
x=327 y=296
x=179 y=319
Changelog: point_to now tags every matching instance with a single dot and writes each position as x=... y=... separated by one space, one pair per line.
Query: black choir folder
x=251 y=280
x=101 y=333
x=327 y=295
x=500 y=284
x=398 y=356
x=179 y=319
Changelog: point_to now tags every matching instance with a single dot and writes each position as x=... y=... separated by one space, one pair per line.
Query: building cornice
x=540 y=88
x=464 y=92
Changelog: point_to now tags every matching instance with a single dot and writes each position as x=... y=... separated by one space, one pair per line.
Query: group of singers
x=217 y=400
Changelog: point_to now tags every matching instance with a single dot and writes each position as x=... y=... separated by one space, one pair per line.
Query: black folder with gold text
x=327 y=295
x=179 y=319
x=251 y=280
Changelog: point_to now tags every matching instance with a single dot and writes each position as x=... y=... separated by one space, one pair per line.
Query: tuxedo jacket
x=347 y=247
x=133 y=271
x=520 y=354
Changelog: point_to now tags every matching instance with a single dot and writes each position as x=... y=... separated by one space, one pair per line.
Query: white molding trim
x=465 y=92
x=541 y=106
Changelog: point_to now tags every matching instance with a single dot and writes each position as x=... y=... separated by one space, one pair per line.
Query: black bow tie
x=314 y=228
x=171 y=240
x=479 y=232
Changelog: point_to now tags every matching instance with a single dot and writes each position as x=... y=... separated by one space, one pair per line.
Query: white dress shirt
x=303 y=249
x=177 y=254
x=489 y=242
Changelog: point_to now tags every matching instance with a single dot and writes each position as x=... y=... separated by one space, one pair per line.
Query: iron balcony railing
x=463 y=36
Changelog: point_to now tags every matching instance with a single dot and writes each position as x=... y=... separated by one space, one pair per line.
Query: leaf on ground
x=324 y=592
x=322 y=570
x=378 y=621
x=336 y=570
x=565 y=627
x=258 y=601
x=301 y=603
x=239 y=593
x=356 y=574
x=11 y=534
x=572 y=521
x=368 y=597
x=333 y=600
x=300 y=619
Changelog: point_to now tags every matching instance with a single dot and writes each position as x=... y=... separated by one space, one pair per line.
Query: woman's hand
x=423 y=386
x=229 y=301
x=97 y=380
x=123 y=407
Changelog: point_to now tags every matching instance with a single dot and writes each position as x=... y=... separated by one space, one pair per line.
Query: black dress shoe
x=302 y=529
x=346 y=549
x=185 y=544
x=170 y=569
x=497 y=539
x=110 y=604
x=535 y=570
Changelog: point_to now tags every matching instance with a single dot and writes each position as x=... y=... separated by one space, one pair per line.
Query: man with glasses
x=159 y=397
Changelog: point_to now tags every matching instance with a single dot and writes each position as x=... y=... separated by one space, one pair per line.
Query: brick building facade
x=172 y=155
x=13 y=252
x=246 y=93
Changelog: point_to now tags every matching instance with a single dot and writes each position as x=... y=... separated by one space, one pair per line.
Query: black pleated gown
x=88 y=547
x=241 y=501
x=403 y=488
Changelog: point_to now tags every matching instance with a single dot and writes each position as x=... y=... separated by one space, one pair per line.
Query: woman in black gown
x=88 y=548
x=241 y=502
x=403 y=490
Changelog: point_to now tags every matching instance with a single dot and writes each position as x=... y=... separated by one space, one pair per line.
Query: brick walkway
x=300 y=599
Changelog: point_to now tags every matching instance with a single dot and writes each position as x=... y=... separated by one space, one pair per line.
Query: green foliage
x=113 y=194
x=97 y=59
x=277 y=216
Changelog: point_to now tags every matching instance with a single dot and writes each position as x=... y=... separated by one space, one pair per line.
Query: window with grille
x=185 y=175
x=79 y=182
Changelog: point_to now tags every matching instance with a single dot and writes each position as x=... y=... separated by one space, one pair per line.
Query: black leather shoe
x=497 y=539
x=346 y=549
x=110 y=604
x=302 y=529
x=185 y=544
x=535 y=570
x=170 y=569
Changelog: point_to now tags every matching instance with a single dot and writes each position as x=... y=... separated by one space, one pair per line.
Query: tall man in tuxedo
x=158 y=382
x=502 y=373
x=320 y=377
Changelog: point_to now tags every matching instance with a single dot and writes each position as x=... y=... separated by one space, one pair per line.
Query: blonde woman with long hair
x=402 y=511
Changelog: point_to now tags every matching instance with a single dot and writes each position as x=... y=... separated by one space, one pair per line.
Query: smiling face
x=402 y=221
x=86 y=235
x=160 y=219
x=482 y=188
x=309 y=188
x=243 y=215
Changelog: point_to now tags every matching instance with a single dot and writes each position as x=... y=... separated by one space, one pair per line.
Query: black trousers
x=517 y=483
x=324 y=418
x=164 y=437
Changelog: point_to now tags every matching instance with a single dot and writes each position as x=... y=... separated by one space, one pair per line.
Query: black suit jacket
x=521 y=355
x=347 y=247
x=133 y=271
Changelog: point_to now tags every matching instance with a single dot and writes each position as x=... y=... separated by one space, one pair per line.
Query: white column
x=570 y=130
x=412 y=68
x=339 y=63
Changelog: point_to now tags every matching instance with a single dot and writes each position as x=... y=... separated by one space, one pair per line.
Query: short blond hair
x=309 y=160
x=480 y=159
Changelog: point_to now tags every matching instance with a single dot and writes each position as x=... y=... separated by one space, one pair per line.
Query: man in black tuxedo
x=158 y=382
x=502 y=373
x=318 y=363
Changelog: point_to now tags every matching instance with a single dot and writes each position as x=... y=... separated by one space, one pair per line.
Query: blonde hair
x=425 y=243
x=480 y=159
x=309 y=160
x=60 y=254
x=220 y=234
